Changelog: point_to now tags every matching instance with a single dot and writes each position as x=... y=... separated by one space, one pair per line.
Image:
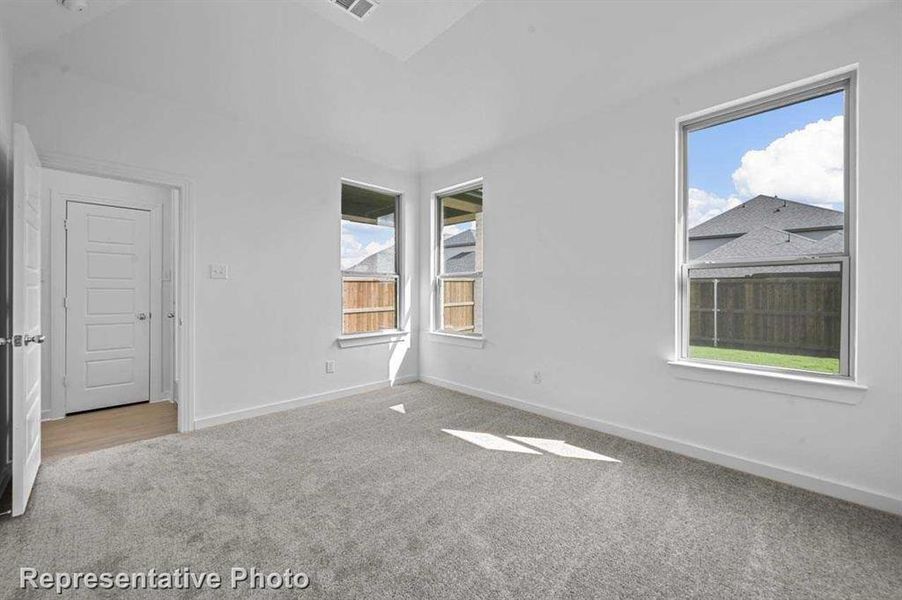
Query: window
x=765 y=232
x=458 y=282
x=369 y=259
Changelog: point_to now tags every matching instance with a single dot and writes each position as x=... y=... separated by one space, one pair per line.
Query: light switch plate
x=219 y=271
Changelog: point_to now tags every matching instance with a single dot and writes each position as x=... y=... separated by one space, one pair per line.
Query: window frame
x=844 y=80
x=389 y=335
x=437 y=274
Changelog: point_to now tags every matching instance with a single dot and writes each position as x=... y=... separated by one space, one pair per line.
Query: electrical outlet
x=219 y=271
x=330 y=366
x=537 y=377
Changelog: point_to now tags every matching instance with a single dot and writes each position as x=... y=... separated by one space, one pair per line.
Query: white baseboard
x=794 y=478
x=265 y=409
x=47 y=415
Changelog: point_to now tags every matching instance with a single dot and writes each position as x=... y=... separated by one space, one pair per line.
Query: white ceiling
x=477 y=75
x=32 y=24
x=400 y=27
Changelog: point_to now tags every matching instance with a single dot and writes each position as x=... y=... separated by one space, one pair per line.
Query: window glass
x=368 y=260
x=766 y=201
x=460 y=262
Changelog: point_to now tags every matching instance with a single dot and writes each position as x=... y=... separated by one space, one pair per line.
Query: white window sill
x=467 y=341
x=844 y=391
x=369 y=339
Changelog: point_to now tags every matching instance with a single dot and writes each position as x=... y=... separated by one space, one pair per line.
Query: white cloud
x=705 y=205
x=353 y=250
x=805 y=165
x=452 y=230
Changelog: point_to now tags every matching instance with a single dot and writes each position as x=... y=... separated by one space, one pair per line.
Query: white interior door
x=26 y=318
x=108 y=303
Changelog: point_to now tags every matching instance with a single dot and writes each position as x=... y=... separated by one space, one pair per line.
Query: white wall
x=588 y=210
x=268 y=210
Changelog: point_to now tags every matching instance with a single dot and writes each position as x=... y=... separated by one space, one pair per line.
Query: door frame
x=59 y=255
x=184 y=263
x=6 y=323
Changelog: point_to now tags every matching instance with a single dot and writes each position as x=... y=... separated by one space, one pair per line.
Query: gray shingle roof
x=763 y=243
x=769 y=211
x=464 y=238
x=832 y=243
x=460 y=262
x=380 y=262
x=767 y=243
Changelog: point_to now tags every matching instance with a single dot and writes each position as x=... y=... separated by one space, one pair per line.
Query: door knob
x=37 y=339
x=142 y=316
x=170 y=315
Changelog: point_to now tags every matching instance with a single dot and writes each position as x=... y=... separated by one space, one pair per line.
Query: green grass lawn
x=771 y=359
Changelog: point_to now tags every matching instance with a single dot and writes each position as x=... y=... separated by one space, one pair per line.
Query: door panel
x=107 y=290
x=26 y=318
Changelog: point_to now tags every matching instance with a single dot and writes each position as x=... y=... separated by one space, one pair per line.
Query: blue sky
x=794 y=151
x=714 y=153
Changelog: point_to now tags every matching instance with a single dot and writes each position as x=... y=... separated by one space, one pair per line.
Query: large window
x=458 y=282
x=766 y=250
x=369 y=260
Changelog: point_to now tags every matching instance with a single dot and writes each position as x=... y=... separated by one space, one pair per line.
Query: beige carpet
x=373 y=503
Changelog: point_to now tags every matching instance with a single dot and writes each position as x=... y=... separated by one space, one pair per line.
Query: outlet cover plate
x=219 y=271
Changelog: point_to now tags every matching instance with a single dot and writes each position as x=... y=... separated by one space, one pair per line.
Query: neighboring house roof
x=380 y=262
x=767 y=242
x=460 y=262
x=767 y=228
x=460 y=252
x=768 y=211
x=464 y=238
x=460 y=257
x=832 y=243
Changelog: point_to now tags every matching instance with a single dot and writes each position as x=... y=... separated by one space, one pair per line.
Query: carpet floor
x=373 y=503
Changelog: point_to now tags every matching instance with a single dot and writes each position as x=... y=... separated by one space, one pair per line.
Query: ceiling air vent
x=358 y=8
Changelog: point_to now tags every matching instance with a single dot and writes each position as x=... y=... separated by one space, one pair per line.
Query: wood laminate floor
x=89 y=431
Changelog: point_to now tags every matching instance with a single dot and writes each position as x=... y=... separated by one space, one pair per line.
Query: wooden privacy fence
x=791 y=314
x=459 y=305
x=368 y=304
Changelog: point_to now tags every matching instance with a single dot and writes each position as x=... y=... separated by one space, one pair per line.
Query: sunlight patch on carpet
x=490 y=442
x=562 y=448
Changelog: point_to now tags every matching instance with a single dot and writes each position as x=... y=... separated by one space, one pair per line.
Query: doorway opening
x=111 y=372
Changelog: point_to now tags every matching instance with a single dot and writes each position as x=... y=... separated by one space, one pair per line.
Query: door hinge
x=66 y=224
x=65 y=382
x=65 y=301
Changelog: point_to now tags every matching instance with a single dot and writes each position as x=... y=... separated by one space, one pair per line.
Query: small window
x=369 y=260
x=766 y=251
x=458 y=281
